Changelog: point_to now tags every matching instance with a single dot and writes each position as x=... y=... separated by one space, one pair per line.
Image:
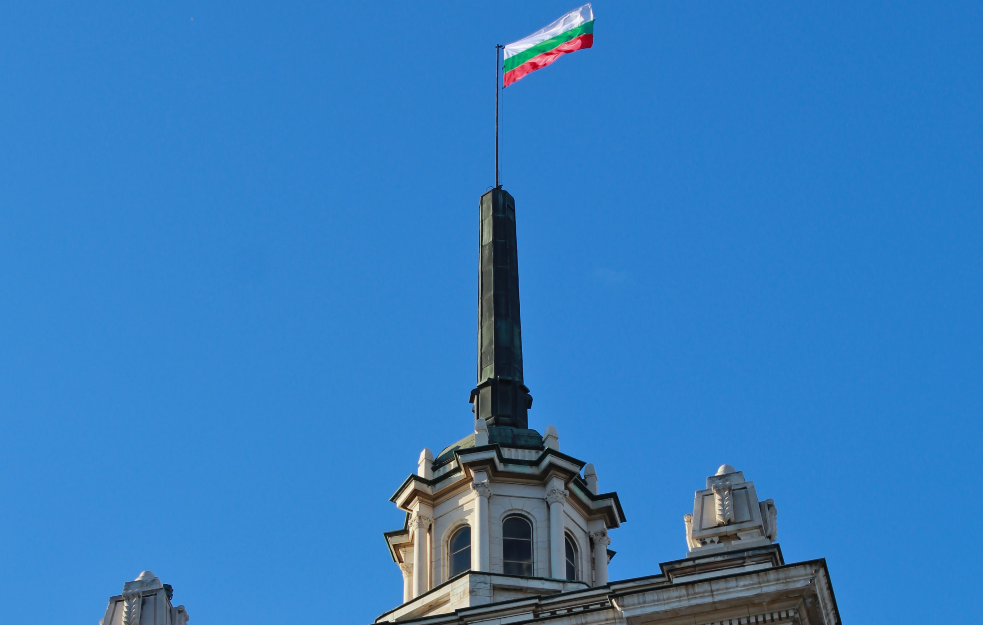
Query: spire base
x=502 y=402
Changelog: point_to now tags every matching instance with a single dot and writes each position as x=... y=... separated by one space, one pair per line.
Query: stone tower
x=503 y=527
x=501 y=513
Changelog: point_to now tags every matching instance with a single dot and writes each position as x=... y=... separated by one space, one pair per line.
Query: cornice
x=593 y=606
x=628 y=595
x=392 y=536
x=592 y=503
x=492 y=459
x=509 y=606
x=424 y=483
x=770 y=554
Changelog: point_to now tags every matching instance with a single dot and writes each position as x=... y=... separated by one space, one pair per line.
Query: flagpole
x=497 y=90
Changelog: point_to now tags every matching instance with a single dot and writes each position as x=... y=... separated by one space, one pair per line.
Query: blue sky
x=238 y=262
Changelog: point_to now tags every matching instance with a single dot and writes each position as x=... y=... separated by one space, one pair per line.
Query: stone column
x=407 y=569
x=480 y=531
x=601 y=542
x=421 y=561
x=555 y=497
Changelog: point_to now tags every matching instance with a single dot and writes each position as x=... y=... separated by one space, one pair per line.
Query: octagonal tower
x=502 y=513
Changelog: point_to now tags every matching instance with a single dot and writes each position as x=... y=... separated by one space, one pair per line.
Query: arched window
x=517 y=546
x=460 y=551
x=570 y=549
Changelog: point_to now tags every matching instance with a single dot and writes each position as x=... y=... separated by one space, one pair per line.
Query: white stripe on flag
x=572 y=19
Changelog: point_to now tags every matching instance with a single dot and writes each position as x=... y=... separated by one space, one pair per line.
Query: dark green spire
x=500 y=398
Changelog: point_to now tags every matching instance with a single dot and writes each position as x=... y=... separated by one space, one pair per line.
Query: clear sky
x=238 y=266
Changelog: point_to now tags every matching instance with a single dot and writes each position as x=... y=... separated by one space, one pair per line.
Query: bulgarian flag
x=574 y=31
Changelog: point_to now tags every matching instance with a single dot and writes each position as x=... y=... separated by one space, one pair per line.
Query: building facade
x=502 y=527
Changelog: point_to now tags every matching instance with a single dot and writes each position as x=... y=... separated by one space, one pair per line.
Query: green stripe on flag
x=587 y=28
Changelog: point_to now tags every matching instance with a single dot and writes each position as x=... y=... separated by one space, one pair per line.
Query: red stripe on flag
x=544 y=59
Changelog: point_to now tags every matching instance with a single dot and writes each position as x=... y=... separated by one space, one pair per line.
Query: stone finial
x=424 y=466
x=144 y=581
x=480 y=432
x=551 y=439
x=728 y=517
x=590 y=476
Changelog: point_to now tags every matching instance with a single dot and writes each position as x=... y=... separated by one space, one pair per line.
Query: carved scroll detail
x=769 y=515
x=688 y=520
x=179 y=615
x=724 y=499
x=132 y=602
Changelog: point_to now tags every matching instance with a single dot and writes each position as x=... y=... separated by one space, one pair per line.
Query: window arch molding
x=517 y=544
x=457 y=542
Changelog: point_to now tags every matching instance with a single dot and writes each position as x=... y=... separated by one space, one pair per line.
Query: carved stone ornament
x=688 y=520
x=179 y=615
x=132 y=600
x=600 y=538
x=728 y=516
x=769 y=514
x=724 y=499
x=420 y=523
x=483 y=489
x=133 y=596
x=556 y=495
x=407 y=569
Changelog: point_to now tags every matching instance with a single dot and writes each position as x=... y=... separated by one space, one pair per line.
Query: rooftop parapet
x=727 y=516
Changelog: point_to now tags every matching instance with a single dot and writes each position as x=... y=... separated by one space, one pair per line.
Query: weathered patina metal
x=501 y=397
